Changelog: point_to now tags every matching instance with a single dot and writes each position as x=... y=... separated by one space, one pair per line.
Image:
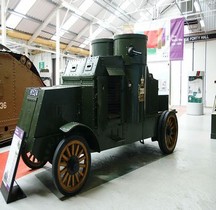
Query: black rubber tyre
x=71 y=165
x=167 y=132
x=31 y=161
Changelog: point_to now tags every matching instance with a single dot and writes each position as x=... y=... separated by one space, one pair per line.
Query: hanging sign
x=176 y=39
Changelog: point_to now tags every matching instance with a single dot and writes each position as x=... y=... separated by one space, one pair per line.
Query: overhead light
x=202 y=23
x=197 y=6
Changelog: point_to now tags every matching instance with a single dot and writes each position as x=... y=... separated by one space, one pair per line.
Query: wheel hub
x=73 y=165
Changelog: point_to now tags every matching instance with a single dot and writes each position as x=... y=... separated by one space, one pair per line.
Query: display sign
x=41 y=65
x=9 y=188
x=195 y=88
x=200 y=37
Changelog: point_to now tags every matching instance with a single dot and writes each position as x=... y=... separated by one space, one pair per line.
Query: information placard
x=9 y=188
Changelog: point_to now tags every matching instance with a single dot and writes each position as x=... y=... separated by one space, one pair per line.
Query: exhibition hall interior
x=108 y=104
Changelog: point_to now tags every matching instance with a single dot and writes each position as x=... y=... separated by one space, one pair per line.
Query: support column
x=57 y=79
x=90 y=35
x=26 y=52
x=3 y=21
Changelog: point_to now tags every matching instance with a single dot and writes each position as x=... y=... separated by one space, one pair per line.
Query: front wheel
x=167 y=132
x=71 y=165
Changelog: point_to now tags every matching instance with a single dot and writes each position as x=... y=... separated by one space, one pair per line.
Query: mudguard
x=83 y=130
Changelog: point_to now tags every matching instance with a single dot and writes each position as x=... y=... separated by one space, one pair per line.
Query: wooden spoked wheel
x=167 y=132
x=71 y=165
x=31 y=161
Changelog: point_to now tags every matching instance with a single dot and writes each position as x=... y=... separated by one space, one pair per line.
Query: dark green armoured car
x=106 y=100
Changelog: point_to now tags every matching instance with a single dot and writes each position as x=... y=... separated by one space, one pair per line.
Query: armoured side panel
x=88 y=106
x=73 y=72
x=53 y=107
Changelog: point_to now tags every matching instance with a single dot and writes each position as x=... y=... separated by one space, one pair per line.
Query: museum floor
x=137 y=176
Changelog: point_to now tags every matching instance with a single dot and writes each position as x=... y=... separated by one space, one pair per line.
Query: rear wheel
x=71 y=165
x=167 y=132
x=31 y=161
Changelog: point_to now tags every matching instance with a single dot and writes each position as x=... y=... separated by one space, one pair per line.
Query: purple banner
x=176 y=39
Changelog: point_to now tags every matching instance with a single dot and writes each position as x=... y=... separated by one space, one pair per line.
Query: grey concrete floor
x=137 y=176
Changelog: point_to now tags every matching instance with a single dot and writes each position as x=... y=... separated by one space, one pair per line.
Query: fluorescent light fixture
x=197 y=6
x=202 y=23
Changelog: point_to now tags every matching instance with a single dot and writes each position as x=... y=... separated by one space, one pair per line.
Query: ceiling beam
x=45 y=42
x=76 y=38
x=43 y=25
x=36 y=20
x=77 y=10
x=116 y=8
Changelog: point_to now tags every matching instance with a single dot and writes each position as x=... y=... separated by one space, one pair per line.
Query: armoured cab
x=89 y=96
x=102 y=85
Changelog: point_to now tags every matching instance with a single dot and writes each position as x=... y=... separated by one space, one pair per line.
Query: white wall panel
x=175 y=83
x=187 y=64
x=160 y=71
x=179 y=77
x=210 y=73
x=199 y=56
